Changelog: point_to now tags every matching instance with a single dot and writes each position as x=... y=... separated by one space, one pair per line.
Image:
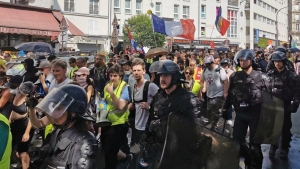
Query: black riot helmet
x=169 y=67
x=278 y=56
x=225 y=61
x=245 y=54
x=280 y=49
x=70 y=98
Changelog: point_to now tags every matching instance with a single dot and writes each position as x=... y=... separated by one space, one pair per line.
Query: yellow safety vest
x=5 y=160
x=71 y=74
x=197 y=74
x=49 y=128
x=116 y=116
x=195 y=89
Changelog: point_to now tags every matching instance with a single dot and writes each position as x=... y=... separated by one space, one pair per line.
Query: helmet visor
x=245 y=55
x=55 y=104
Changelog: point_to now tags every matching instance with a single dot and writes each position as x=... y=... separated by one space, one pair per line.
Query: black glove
x=224 y=114
x=32 y=102
x=294 y=106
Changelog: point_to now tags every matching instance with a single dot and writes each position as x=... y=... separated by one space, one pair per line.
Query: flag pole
x=210 y=37
x=149 y=12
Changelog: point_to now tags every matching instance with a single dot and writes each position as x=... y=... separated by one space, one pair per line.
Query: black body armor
x=71 y=149
x=245 y=90
x=283 y=85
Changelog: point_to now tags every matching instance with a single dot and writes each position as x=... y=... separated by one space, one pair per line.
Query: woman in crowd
x=191 y=86
x=21 y=127
x=81 y=77
x=5 y=96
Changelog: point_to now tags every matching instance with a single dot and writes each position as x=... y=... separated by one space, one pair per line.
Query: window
x=232 y=18
x=186 y=12
x=255 y=16
x=297 y=27
x=268 y=21
x=176 y=11
x=117 y=6
x=21 y=2
x=94 y=6
x=203 y=31
x=297 y=17
x=138 y=6
x=93 y=27
x=157 y=9
x=69 y=5
x=264 y=5
x=268 y=7
x=203 y=11
x=296 y=7
x=127 y=6
x=264 y=19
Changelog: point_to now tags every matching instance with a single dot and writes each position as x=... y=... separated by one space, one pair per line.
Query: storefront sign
x=182 y=41
x=25 y=31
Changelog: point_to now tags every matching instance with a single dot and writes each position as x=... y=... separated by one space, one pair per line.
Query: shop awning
x=25 y=21
x=72 y=28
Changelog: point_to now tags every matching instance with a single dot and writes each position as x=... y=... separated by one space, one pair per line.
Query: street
x=276 y=163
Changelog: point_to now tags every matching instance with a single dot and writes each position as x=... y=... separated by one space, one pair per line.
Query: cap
x=208 y=59
x=124 y=62
x=44 y=64
x=2 y=63
x=83 y=71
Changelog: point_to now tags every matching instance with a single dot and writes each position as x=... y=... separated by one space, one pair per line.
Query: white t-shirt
x=142 y=115
x=214 y=82
x=55 y=85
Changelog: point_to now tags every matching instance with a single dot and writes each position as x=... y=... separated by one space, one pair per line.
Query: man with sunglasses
x=74 y=68
x=216 y=83
x=99 y=73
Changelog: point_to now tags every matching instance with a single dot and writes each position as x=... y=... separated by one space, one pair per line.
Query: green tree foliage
x=140 y=27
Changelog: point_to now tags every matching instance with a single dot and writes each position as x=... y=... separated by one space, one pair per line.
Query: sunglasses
x=80 y=75
x=188 y=73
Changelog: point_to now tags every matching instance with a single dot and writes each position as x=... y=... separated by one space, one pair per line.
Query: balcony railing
x=233 y=3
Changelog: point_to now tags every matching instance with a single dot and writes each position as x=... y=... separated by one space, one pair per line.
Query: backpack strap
x=145 y=93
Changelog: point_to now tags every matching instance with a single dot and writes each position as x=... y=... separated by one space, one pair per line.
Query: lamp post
x=276 y=37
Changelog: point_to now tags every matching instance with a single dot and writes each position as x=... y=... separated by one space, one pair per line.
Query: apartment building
x=260 y=18
x=294 y=20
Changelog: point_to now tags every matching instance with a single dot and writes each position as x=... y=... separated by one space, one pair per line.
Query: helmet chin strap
x=66 y=124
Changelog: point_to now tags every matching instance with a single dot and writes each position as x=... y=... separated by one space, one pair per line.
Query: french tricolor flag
x=184 y=28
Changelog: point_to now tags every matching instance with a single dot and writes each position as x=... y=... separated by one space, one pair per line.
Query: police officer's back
x=171 y=98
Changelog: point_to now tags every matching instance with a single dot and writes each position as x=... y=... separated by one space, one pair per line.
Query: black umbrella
x=35 y=47
x=223 y=49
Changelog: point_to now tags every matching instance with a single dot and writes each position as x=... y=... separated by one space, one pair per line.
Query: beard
x=97 y=64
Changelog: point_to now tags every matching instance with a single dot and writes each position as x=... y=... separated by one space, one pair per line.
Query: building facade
x=260 y=18
x=89 y=16
x=294 y=21
x=250 y=19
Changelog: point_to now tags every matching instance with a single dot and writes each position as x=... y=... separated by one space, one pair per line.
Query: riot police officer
x=288 y=64
x=245 y=95
x=71 y=144
x=171 y=98
x=284 y=85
